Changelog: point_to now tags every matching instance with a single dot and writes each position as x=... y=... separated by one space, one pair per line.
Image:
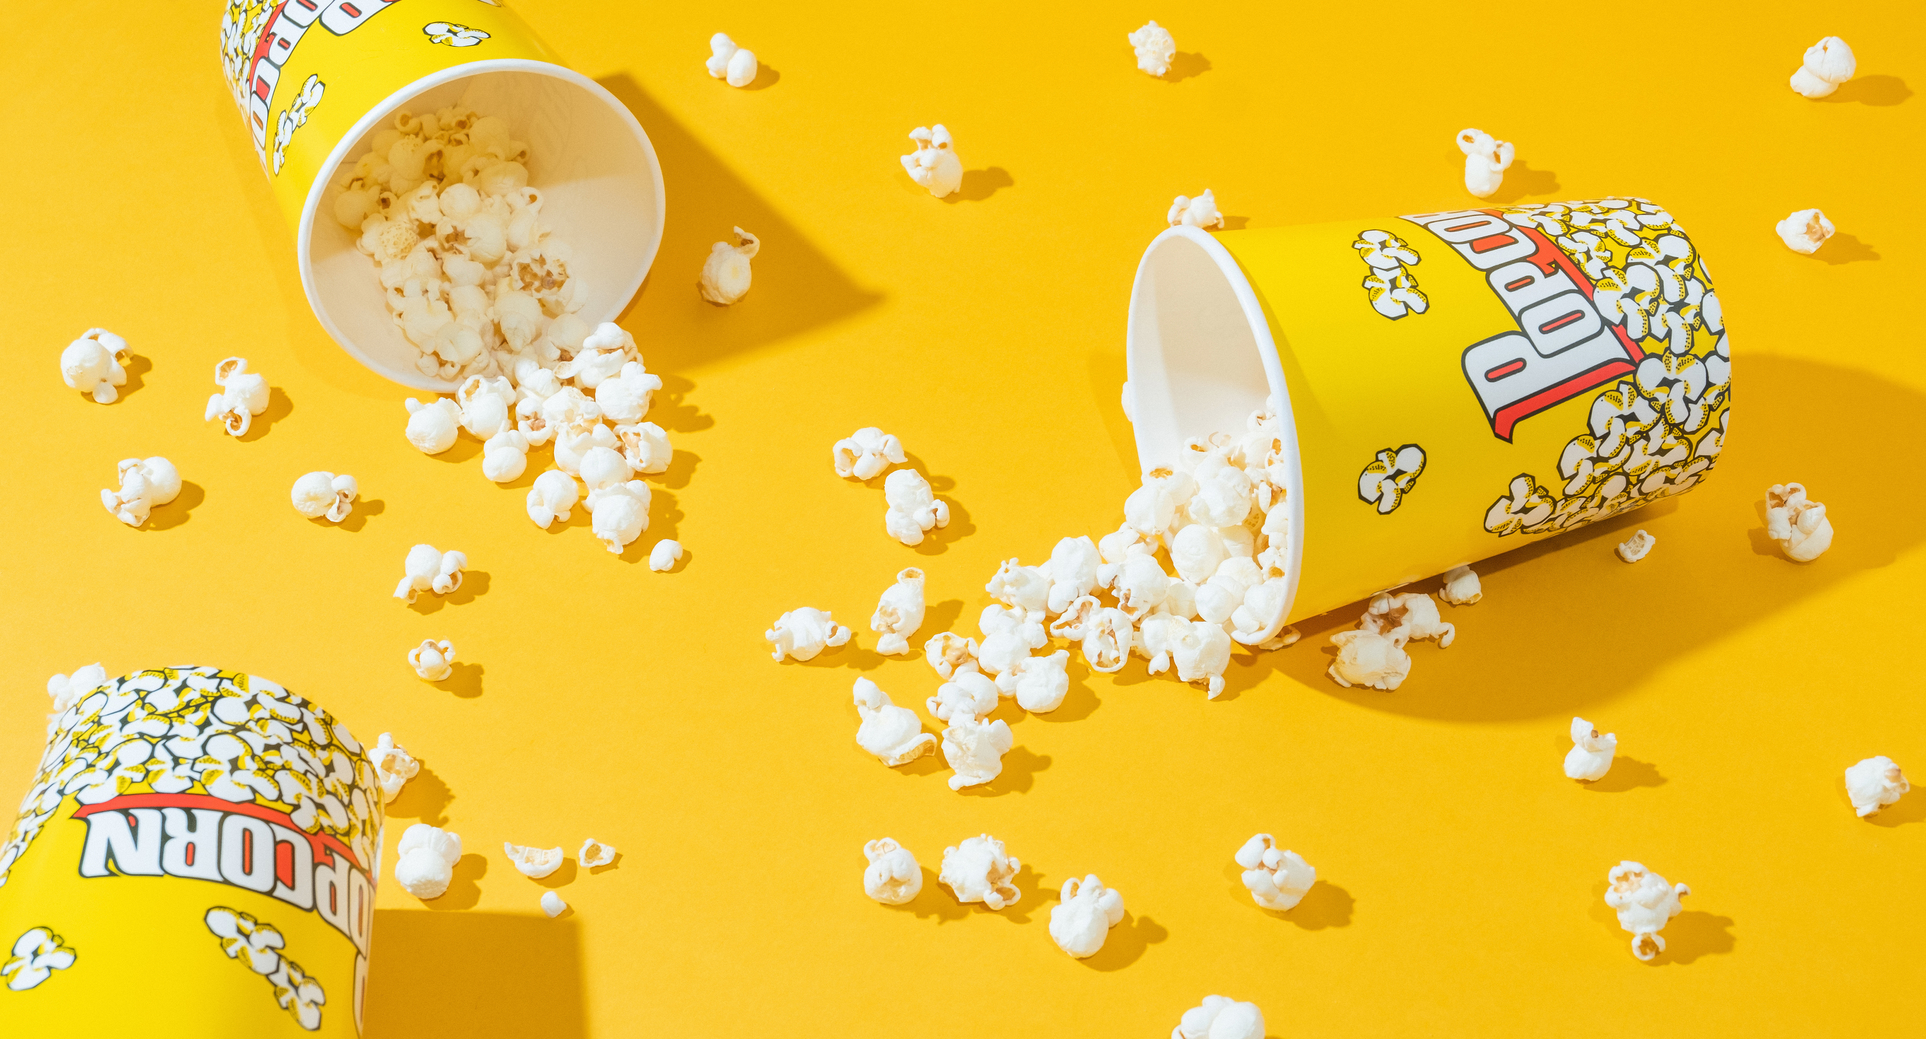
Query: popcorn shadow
x=596 y=871
x=766 y=77
x=1880 y=91
x=934 y=900
x=1235 y=223
x=563 y=875
x=279 y=407
x=938 y=484
x=177 y=512
x=424 y=798
x=463 y=892
x=1185 y=65
x=464 y=680
x=980 y=184
x=137 y=365
x=848 y=655
x=937 y=539
x=465 y=448
x=1911 y=808
x=1080 y=701
x=1626 y=774
x=797 y=286
x=359 y=517
x=1325 y=905
x=447 y=974
x=1030 y=894
x=1020 y=768
x=682 y=467
x=473 y=584
x=1843 y=247
x=1126 y=943
x=1521 y=180
x=676 y=417
x=1693 y=934
x=938 y=618
x=927 y=765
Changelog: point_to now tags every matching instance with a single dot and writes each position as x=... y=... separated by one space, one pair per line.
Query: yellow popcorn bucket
x=1451 y=385
x=197 y=856
x=316 y=79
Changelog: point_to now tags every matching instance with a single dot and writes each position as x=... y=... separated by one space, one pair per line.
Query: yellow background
x=1460 y=873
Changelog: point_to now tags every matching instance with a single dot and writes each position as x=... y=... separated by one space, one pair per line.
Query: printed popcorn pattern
x=1659 y=432
x=1390 y=286
x=36 y=955
x=296 y=117
x=294 y=990
x=1387 y=478
x=200 y=730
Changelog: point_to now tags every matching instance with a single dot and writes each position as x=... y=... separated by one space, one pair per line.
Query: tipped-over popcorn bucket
x=317 y=79
x=1451 y=385
x=197 y=856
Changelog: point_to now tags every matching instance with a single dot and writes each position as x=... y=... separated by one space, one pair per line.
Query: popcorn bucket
x=316 y=79
x=1451 y=385
x=197 y=856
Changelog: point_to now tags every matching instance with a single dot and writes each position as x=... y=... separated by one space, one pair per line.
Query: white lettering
x=192 y=851
x=135 y=850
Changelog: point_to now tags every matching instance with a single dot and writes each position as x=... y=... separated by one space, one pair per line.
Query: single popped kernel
x=1025 y=587
x=968 y=694
x=1827 y=64
x=1200 y=211
x=433 y=661
x=1369 y=659
x=803 y=633
x=1009 y=634
x=1644 y=902
x=320 y=494
x=665 y=555
x=1636 y=547
x=1071 y=571
x=894 y=734
x=487 y=405
x=1200 y=650
x=534 y=863
x=619 y=513
x=1591 y=754
x=899 y=612
x=433 y=427
x=1038 y=683
x=243 y=395
x=645 y=446
x=913 y=508
x=864 y=454
x=1804 y=231
x=553 y=495
x=1797 y=524
x=1107 y=637
x=1461 y=587
x=975 y=749
x=144 y=484
x=505 y=456
x=1486 y=160
x=1083 y=917
x=1155 y=48
x=1276 y=877
x=552 y=905
x=95 y=364
x=934 y=164
x=393 y=766
x=1221 y=1017
x=594 y=854
x=725 y=274
x=1873 y=784
x=1411 y=616
x=893 y=876
x=979 y=870
x=429 y=568
x=948 y=653
x=67 y=690
x=733 y=65
x=425 y=860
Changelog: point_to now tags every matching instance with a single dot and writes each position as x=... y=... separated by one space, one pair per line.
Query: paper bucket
x=1452 y=385
x=315 y=79
x=197 y=856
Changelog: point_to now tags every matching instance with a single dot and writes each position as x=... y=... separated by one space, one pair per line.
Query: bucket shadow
x=468 y=974
x=797 y=287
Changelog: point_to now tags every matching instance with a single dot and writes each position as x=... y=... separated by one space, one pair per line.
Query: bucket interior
x=601 y=187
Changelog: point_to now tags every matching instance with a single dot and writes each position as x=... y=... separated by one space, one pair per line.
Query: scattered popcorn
x=1071 y=571
x=978 y=870
x=1636 y=547
x=975 y=749
x=487 y=405
x=1804 y=231
x=1368 y=659
x=534 y=863
x=505 y=456
x=393 y=766
x=1798 y=525
x=1221 y=1017
x=899 y=612
x=1201 y=651
x=66 y=690
x=913 y=509
x=665 y=555
x=1645 y=902
x=645 y=446
x=893 y=876
x=733 y=65
x=725 y=274
x=594 y=853
x=1083 y=918
x=949 y=653
x=1195 y=212
x=553 y=905
x=934 y=163
x=429 y=568
x=433 y=427
x=968 y=694
x=432 y=660
x=425 y=860
x=1591 y=754
x=1155 y=47
x=95 y=363
x=618 y=514
x=1038 y=683
x=550 y=499
x=894 y=734
x=1827 y=64
x=1873 y=784
x=1277 y=878
x=804 y=632
x=1486 y=160
x=1461 y=587
x=144 y=483
x=320 y=494
x=1009 y=634
x=864 y=454
x=243 y=395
